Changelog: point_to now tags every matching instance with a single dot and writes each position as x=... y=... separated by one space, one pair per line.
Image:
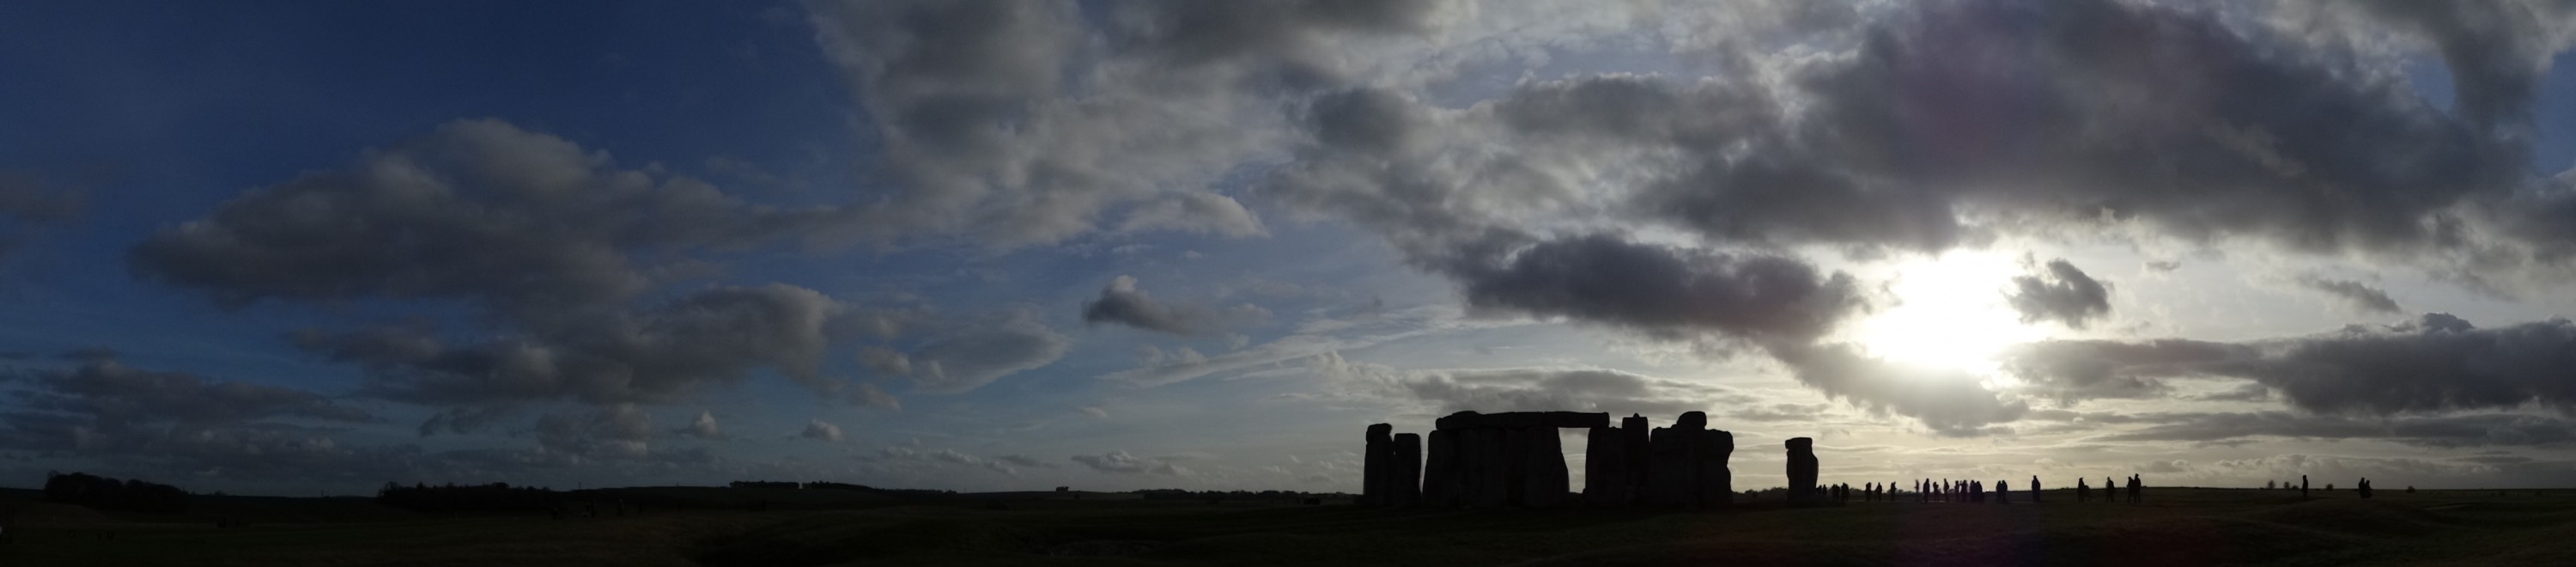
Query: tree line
x=98 y=492
x=494 y=497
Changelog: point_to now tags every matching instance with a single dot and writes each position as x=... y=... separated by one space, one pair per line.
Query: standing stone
x=1633 y=432
x=1802 y=468
x=1406 y=485
x=1690 y=428
x=1544 y=481
x=1487 y=486
x=1376 y=465
x=1716 y=482
x=1668 y=477
x=1605 y=472
x=1440 y=475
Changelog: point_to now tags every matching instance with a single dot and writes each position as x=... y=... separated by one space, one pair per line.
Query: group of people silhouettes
x=1975 y=491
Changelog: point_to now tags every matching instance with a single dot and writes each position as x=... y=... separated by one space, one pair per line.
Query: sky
x=296 y=248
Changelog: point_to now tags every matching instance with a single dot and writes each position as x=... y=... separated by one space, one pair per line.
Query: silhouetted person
x=2082 y=493
x=2410 y=489
x=2110 y=490
x=2365 y=488
x=2003 y=492
x=2137 y=489
x=2034 y=489
x=2303 y=486
x=1977 y=491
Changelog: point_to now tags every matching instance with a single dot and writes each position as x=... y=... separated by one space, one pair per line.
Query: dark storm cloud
x=2496 y=52
x=2355 y=294
x=2029 y=109
x=2436 y=363
x=1657 y=289
x=1122 y=303
x=2062 y=293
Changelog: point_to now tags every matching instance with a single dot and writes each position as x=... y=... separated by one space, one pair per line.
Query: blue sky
x=1146 y=244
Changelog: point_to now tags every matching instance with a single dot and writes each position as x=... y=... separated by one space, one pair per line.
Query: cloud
x=556 y=245
x=2360 y=297
x=2063 y=294
x=977 y=355
x=525 y=225
x=704 y=427
x=2073 y=370
x=1949 y=401
x=952 y=457
x=128 y=416
x=818 y=430
x=1122 y=303
x=695 y=341
x=109 y=396
x=869 y=395
x=1026 y=122
x=28 y=204
x=1196 y=213
x=2436 y=363
x=1025 y=461
x=1119 y=462
x=1095 y=412
x=1658 y=290
x=1524 y=389
x=1319 y=337
x=619 y=431
x=2432 y=431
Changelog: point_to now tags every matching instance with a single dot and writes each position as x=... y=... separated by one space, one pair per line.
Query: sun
x=1950 y=314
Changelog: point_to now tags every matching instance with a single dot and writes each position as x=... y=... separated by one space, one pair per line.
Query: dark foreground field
x=2177 y=527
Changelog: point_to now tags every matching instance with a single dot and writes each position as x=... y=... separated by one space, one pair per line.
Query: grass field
x=2177 y=526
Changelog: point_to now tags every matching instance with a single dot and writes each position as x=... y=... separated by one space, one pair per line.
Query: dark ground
x=2178 y=526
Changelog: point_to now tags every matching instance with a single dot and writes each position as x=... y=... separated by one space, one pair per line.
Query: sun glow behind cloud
x=1950 y=314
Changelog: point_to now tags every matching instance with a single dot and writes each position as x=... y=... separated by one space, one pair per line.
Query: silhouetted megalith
x=1407 y=482
x=1716 y=483
x=1605 y=461
x=1634 y=437
x=1375 y=463
x=1441 y=484
x=1543 y=479
x=1668 y=475
x=1802 y=468
x=1487 y=474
